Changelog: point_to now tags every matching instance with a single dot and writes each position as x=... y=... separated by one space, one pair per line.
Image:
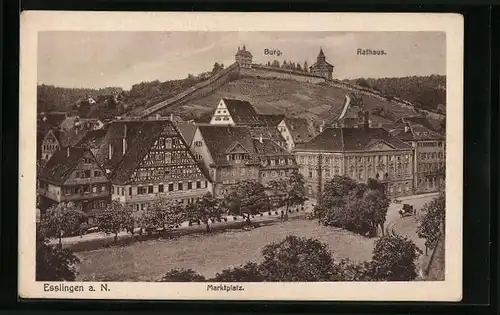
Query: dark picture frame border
x=479 y=135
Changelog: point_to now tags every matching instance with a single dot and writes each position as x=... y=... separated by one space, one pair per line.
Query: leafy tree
x=394 y=258
x=162 y=213
x=252 y=197
x=217 y=68
x=54 y=263
x=114 y=218
x=284 y=65
x=305 y=67
x=299 y=68
x=363 y=83
x=250 y=272
x=182 y=275
x=294 y=189
x=347 y=270
x=63 y=218
x=206 y=209
x=297 y=259
x=355 y=207
x=432 y=221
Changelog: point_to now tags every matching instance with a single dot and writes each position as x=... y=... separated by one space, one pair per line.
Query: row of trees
x=162 y=214
x=302 y=259
x=357 y=207
x=289 y=65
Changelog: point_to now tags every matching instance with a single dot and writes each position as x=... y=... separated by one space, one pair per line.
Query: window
x=190 y=185
x=123 y=191
x=179 y=186
x=78 y=174
x=170 y=187
x=310 y=174
x=150 y=189
x=142 y=206
x=198 y=184
x=94 y=189
x=141 y=190
x=87 y=160
x=86 y=189
x=160 y=188
x=327 y=173
x=86 y=174
x=130 y=191
x=327 y=160
x=242 y=171
x=97 y=173
x=103 y=188
x=198 y=143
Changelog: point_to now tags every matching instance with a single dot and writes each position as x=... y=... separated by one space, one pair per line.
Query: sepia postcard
x=241 y=156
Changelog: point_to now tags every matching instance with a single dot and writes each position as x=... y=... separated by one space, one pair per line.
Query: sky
x=121 y=59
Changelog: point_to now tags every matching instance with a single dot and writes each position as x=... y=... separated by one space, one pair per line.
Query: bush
x=297 y=259
x=53 y=263
x=394 y=258
x=182 y=275
x=250 y=272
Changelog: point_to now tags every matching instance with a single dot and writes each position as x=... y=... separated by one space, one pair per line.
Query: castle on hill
x=321 y=68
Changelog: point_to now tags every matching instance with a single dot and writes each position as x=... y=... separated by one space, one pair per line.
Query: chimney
x=321 y=126
x=260 y=139
x=157 y=116
x=67 y=152
x=171 y=117
x=407 y=127
x=110 y=151
x=124 y=140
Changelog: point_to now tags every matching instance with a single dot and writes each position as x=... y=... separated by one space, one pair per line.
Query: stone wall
x=278 y=73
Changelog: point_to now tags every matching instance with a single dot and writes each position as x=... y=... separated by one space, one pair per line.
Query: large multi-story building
x=147 y=158
x=359 y=153
x=296 y=131
x=429 y=155
x=275 y=162
x=228 y=154
x=73 y=174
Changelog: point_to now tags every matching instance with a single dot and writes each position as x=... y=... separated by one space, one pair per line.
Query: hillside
x=426 y=92
x=317 y=101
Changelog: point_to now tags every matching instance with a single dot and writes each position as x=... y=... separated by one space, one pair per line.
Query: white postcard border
x=449 y=290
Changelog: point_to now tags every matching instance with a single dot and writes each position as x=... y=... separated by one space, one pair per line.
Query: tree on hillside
x=252 y=197
x=305 y=67
x=394 y=258
x=284 y=65
x=114 y=219
x=53 y=263
x=432 y=221
x=217 y=68
x=294 y=189
x=297 y=259
x=250 y=272
x=182 y=275
x=299 y=68
x=268 y=63
x=62 y=219
x=363 y=83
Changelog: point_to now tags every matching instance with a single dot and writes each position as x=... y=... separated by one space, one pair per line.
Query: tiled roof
x=269 y=147
x=187 y=130
x=219 y=139
x=92 y=139
x=69 y=138
x=272 y=120
x=417 y=120
x=416 y=133
x=138 y=144
x=266 y=133
x=242 y=112
x=300 y=129
x=350 y=139
x=61 y=164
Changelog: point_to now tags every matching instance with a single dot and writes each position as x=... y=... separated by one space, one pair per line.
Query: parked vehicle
x=406 y=210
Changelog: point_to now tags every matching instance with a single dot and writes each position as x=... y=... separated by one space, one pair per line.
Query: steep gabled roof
x=61 y=164
x=187 y=130
x=351 y=139
x=219 y=139
x=92 y=139
x=300 y=129
x=242 y=112
x=266 y=133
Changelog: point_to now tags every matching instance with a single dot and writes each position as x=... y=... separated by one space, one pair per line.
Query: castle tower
x=322 y=68
x=243 y=57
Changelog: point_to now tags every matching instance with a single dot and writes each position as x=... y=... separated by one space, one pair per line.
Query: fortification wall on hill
x=198 y=90
x=278 y=73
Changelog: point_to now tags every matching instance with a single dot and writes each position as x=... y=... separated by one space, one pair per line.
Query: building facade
x=295 y=131
x=359 y=153
x=50 y=145
x=228 y=155
x=321 y=67
x=73 y=174
x=150 y=158
x=275 y=162
x=429 y=155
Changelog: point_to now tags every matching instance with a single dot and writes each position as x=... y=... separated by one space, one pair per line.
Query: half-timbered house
x=149 y=158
